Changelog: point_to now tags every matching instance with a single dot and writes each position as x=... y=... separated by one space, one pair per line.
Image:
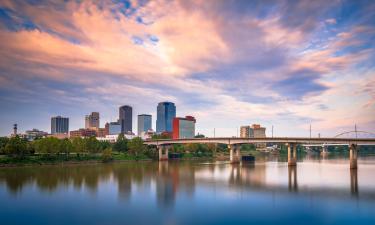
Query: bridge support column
x=292 y=154
x=163 y=152
x=235 y=153
x=353 y=153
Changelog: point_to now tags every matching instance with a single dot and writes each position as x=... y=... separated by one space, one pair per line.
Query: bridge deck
x=298 y=140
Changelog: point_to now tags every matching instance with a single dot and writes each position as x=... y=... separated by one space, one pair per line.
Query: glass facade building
x=126 y=119
x=59 y=125
x=184 y=127
x=144 y=123
x=166 y=111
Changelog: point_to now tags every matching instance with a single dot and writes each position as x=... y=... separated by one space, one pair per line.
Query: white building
x=113 y=138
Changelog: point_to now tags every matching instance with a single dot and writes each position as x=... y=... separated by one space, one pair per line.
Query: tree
x=3 y=143
x=78 y=145
x=107 y=155
x=136 y=146
x=160 y=136
x=92 y=145
x=49 y=145
x=66 y=147
x=16 y=147
x=199 y=135
x=121 y=144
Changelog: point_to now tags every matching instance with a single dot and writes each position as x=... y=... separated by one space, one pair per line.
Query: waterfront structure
x=246 y=132
x=92 y=121
x=101 y=132
x=146 y=135
x=83 y=133
x=59 y=125
x=113 y=138
x=34 y=134
x=166 y=111
x=253 y=131
x=234 y=145
x=113 y=128
x=144 y=123
x=59 y=135
x=183 y=127
x=125 y=119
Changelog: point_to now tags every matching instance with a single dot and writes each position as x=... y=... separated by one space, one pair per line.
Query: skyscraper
x=59 y=125
x=144 y=123
x=125 y=118
x=92 y=121
x=166 y=111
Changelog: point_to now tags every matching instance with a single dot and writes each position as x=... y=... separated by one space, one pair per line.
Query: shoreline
x=92 y=162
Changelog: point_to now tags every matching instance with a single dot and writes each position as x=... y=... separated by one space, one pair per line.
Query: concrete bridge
x=234 y=145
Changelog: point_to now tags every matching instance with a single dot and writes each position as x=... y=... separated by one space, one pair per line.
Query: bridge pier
x=163 y=152
x=292 y=154
x=353 y=153
x=235 y=153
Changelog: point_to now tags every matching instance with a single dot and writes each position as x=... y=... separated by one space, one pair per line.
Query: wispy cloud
x=227 y=63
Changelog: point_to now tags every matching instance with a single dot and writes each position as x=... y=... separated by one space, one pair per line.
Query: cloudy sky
x=228 y=63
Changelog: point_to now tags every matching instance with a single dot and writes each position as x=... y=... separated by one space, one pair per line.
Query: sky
x=286 y=64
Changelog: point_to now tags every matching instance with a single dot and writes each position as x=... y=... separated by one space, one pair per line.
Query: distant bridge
x=234 y=144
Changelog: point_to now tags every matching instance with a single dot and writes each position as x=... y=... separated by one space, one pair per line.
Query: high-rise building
x=144 y=123
x=113 y=128
x=246 y=132
x=184 y=127
x=125 y=119
x=254 y=131
x=259 y=132
x=92 y=121
x=59 y=125
x=166 y=111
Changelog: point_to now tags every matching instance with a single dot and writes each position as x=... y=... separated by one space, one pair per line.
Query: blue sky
x=228 y=63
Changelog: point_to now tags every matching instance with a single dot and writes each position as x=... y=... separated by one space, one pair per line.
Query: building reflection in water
x=173 y=178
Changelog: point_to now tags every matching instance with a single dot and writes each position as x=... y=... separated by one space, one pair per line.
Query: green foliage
x=92 y=145
x=136 y=146
x=199 y=136
x=16 y=147
x=248 y=147
x=49 y=145
x=121 y=144
x=107 y=155
x=160 y=136
x=79 y=145
x=3 y=143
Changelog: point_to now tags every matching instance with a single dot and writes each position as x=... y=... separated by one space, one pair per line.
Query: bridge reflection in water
x=170 y=178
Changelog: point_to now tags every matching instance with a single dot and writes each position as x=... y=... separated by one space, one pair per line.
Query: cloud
x=226 y=62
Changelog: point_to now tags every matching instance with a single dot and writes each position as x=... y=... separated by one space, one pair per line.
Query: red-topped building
x=184 y=127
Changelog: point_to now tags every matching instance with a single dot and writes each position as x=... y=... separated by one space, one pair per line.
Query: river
x=317 y=191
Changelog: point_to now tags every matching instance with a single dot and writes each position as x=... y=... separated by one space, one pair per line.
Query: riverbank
x=37 y=160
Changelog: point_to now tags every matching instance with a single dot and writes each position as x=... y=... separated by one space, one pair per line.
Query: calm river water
x=317 y=191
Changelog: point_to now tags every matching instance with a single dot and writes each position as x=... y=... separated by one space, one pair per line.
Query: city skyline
x=280 y=64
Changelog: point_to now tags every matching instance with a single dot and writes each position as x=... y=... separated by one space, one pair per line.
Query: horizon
x=278 y=63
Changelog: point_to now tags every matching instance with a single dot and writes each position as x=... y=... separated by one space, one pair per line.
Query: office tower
x=144 y=123
x=59 y=125
x=92 y=121
x=166 y=111
x=184 y=127
x=125 y=119
x=113 y=128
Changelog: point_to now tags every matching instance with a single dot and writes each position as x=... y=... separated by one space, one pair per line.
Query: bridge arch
x=355 y=132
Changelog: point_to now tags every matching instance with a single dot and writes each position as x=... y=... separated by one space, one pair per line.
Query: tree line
x=18 y=147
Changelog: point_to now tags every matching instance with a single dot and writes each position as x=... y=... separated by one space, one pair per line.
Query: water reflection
x=170 y=178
